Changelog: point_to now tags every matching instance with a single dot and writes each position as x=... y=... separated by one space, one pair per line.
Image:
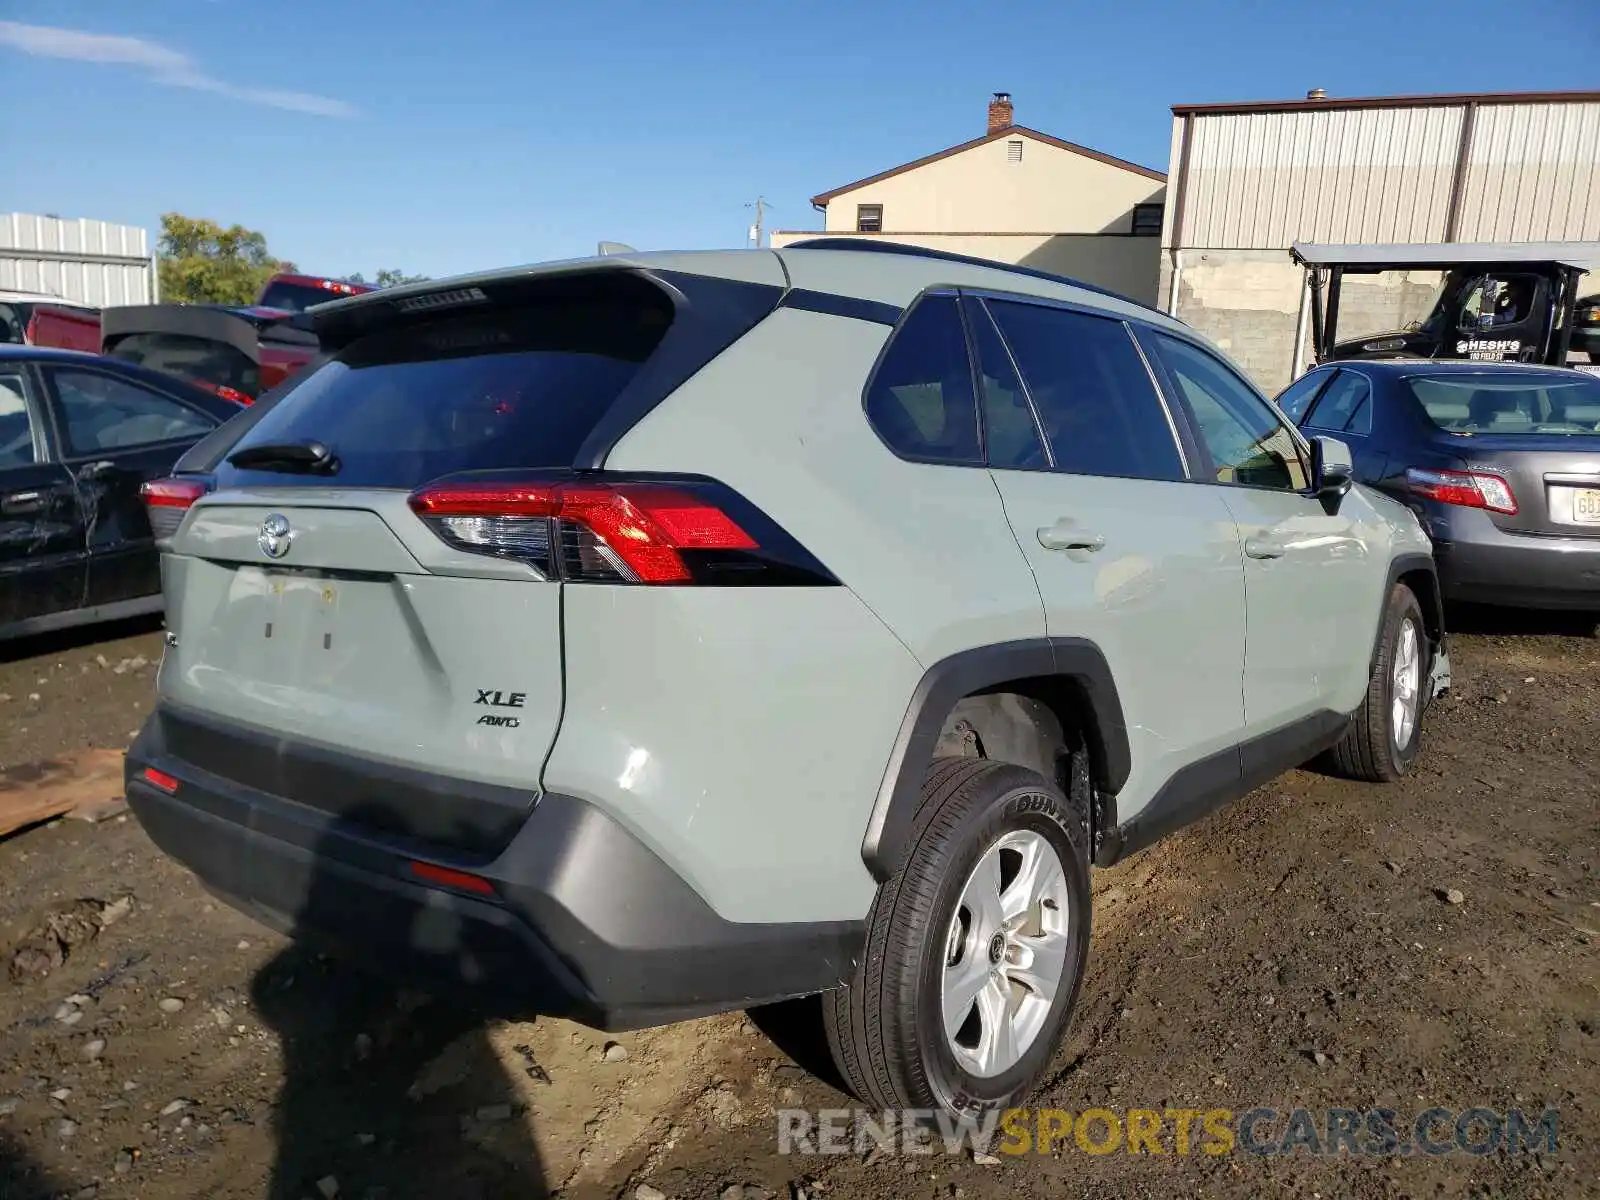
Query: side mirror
x=1333 y=471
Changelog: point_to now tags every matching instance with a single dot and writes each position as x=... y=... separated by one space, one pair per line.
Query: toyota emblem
x=275 y=535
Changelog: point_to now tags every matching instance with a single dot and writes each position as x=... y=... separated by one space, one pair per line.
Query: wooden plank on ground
x=87 y=784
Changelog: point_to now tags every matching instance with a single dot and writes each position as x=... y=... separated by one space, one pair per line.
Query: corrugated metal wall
x=1533 y=174
x=91 y=262
x=1263 y=180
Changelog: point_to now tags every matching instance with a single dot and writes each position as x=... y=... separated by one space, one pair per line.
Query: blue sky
x=442 y=137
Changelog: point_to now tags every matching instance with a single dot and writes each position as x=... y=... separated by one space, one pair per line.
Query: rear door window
x=507 y=388
x=1346 y=407
x=1296 y=399
x=920 y=400
x=16 y=430
x=1010 y=426
x=1100 y=411
x=102 y=414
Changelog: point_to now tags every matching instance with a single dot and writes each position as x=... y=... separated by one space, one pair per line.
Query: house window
x=1147 y=220
x=1014 y=150
x=869 y=218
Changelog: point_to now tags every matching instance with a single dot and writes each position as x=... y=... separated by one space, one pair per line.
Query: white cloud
x=162 y=63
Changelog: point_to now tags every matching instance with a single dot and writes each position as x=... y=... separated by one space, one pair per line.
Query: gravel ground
x=1319 y=944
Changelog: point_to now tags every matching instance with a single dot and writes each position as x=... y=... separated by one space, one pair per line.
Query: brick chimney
x=1000 y=112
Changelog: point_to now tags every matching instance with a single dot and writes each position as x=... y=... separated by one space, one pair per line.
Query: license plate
x=297 y=614
x=1586 y=506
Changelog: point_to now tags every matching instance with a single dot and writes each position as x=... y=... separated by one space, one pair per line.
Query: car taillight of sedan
x=167 y=500
x=1469 y=489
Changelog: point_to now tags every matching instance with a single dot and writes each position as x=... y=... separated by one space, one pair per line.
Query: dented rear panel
x=345 y=638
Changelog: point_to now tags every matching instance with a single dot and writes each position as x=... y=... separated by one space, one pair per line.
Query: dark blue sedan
x=1500 y=461
x=79 y=434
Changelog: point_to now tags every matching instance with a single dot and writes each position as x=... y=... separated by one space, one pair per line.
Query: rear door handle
x=1264 y=547
x=1064 y=535
x=21 y=503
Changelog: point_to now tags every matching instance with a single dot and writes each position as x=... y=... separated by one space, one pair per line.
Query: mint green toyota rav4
x=640 y=637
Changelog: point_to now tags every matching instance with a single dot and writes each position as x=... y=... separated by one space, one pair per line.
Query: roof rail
x=877 y=247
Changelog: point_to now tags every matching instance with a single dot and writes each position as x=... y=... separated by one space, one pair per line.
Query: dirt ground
x=1319 y=944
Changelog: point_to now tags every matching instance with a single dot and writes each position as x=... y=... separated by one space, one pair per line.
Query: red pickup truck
x=237 y=351
x=30 y=319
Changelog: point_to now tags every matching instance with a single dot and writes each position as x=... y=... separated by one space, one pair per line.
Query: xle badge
x=500 y=699
x=497 y=699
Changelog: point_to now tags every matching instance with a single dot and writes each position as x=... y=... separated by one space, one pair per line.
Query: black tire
x=885 y=1029
x=1370 y=750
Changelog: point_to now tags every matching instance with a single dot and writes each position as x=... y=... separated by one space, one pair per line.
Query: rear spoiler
x=243 y=329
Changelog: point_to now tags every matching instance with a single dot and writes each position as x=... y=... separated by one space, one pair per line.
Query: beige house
x=1018 y=196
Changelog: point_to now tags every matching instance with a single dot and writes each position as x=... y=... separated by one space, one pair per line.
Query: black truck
x=1505 y=302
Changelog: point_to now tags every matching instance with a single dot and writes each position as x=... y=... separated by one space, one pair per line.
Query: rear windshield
x=197 y=359
x=1469 y=404
x=296 y=297
x=504 y=388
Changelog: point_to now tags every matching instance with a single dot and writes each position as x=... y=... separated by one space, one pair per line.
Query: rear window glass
x=198 y=359
x=1471 y=404
x=296 y=297
x=501 y=389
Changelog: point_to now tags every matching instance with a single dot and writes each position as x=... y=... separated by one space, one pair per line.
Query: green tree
x=203 y=263
x=388 y=277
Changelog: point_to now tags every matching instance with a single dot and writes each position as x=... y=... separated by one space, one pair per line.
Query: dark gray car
x=1500 y=461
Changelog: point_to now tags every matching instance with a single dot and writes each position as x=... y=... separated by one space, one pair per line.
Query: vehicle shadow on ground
x=41 y=645
x=21 y=1177
x=795 y=1027
x=1490 y=621
x=389 y=1092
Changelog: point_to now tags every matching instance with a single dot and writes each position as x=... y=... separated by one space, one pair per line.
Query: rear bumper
x=584 y=921
x=1479 y=563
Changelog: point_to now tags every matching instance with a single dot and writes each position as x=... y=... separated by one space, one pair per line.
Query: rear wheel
x=1386 y=731
x=975 y=949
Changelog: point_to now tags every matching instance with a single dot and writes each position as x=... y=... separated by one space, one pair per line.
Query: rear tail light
x=629 y=531
x=167 y=500
x=1469 y=489
x=243 y=399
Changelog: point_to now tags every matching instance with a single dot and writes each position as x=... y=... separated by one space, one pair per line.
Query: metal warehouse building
x=87 y=262
x=1249 y=180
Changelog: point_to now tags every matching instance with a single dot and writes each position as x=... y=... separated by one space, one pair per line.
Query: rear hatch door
x=312 y=607
x=217 y=347
x=311 y=626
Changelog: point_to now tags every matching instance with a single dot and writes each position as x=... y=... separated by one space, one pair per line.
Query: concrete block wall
x=1248 y=303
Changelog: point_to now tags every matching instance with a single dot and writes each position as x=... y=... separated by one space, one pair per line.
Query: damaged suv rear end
x=391 y=587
